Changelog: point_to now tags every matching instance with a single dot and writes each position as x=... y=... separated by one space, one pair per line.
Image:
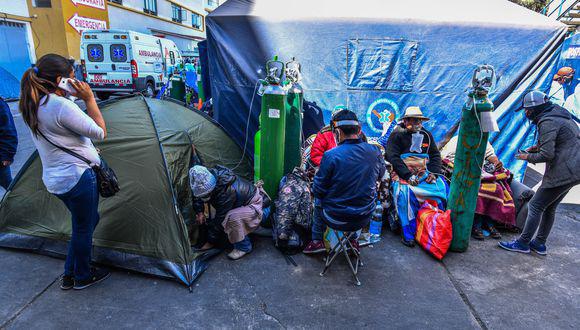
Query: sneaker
x=409 y=243
x=67 y=282
x=314 y=247
x=237 y=254
x=538 y=248
x=97 y=275
x=514 y=246
x=477 y=234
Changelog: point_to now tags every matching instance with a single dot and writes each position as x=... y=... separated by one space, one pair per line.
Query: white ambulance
x=119 y=61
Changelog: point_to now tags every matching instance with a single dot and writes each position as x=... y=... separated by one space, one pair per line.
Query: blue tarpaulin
x=379 y=57
x=567 y=94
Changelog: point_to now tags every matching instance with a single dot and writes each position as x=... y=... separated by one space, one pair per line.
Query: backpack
x=293 y=212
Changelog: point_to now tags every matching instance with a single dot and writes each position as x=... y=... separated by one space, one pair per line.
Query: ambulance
x=120 y=61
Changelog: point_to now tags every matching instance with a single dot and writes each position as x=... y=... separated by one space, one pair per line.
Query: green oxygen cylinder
x=476 y=123
x=272 y=129
x=177 y=90
x=257 y=139
x=295 y=98
x=200 y=92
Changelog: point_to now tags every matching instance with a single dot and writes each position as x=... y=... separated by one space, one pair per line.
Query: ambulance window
x=95 y=53
x=118 y=53
x=172 y=57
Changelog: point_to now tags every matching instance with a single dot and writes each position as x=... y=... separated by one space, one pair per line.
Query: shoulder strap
x=70 y=152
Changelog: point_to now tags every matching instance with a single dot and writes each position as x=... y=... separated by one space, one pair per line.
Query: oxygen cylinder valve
x=274 y=71
x=293 y=71
x=482 y=83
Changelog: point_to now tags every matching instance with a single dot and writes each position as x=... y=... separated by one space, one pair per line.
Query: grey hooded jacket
x=559 y=148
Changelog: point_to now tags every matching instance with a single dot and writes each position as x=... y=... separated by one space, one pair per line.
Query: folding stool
x=344 y=246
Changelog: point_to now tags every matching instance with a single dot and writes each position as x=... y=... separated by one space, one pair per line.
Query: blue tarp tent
x=380 y=56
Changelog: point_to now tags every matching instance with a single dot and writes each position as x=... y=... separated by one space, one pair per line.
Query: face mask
x=416 y=128
x=205 y=199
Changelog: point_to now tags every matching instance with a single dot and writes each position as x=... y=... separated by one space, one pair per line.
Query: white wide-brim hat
x=414 y=112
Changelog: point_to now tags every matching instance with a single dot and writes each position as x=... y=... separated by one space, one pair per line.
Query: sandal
x=477 y=234
x=493 y=233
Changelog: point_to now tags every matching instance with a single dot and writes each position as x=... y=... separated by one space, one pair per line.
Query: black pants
x=542 y=212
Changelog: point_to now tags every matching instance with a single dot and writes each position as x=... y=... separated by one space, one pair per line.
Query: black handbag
x=107 y=181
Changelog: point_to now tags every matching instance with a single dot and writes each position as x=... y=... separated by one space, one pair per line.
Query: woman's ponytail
x=40 y=81
x=31 y=91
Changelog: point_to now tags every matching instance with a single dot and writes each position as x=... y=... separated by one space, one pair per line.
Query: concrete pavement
x=402 y=288
x=484 y=287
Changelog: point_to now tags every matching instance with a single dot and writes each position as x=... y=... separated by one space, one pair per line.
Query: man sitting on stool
x=345 y=185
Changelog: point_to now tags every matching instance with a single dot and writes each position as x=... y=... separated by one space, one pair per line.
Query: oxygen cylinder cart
x=272 y=129
x=295 y=98
x=476 y=123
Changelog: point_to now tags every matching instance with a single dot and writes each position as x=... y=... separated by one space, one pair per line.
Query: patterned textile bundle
x=495 y=198
x=294 y=204
x=408 y=199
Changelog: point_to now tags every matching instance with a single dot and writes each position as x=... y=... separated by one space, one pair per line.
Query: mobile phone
x=64 y=84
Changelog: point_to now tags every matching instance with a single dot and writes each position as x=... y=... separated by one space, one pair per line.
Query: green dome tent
x=145 y=226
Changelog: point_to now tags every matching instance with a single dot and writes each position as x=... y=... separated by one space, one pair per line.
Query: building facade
x=182 y=21
x=17 y=51
x=30 y=29
x=57 y=24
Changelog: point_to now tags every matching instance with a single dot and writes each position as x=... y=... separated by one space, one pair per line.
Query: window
x=150 y=7
x=120 y=2
x=42 y=4
x=172 y=57
x=213 y=3
x=118 y=53
x=178 y=14
x=95 y=53
x=196 y=21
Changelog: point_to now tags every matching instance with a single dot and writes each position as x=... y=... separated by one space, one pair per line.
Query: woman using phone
x=55 y=120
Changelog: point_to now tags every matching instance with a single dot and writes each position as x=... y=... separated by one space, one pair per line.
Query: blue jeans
x=244 y=245
x=318 y=225
x=5 y=176
x=82 y=201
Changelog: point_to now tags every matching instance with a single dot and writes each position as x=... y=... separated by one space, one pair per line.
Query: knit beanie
x=201 y=180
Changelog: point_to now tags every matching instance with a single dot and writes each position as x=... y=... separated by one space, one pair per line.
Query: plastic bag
x=434 y=229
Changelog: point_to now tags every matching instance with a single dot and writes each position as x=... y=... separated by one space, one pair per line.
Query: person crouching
x=238 y=205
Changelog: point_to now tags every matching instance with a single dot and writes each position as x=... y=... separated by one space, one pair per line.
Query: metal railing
x=560 y=8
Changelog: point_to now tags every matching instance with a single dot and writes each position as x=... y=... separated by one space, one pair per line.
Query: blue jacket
x=346 y=183
x=8 y=136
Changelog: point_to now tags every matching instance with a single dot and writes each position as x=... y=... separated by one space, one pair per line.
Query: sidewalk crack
x=263 y=305
x=465 y=298
x=21 y=310
x=265 y=311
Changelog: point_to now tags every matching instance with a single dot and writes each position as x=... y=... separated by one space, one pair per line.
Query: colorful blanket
x=495 y=195
x=408 y=199
x=495 y=198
